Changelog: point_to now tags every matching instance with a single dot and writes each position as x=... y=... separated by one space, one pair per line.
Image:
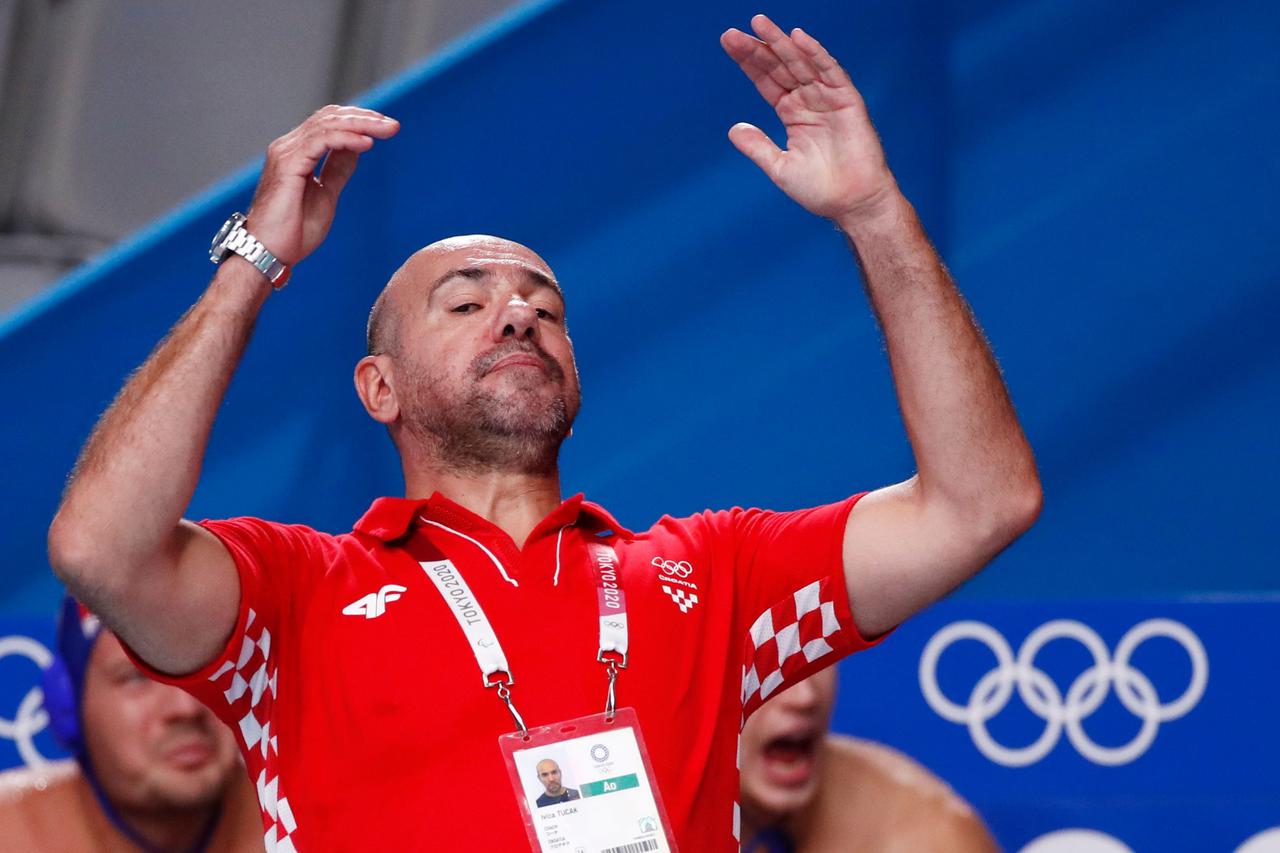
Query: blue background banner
x=1099 y=176
x=1205 y=779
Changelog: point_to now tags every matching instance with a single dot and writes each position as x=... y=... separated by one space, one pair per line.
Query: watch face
x=216 y=249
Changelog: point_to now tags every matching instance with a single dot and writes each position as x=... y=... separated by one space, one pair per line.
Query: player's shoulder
x=37 y=801
x=35 y=783
x=908 y=789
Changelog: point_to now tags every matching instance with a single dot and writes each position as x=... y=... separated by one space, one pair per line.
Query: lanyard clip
x=606 y=658
x=491 y=679
x=614 y=660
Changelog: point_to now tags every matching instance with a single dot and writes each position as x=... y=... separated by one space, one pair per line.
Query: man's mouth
x=191 y=754
x=519 y=360
x=790 y=760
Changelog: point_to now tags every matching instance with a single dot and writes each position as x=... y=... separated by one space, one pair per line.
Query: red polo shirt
x=359 y=705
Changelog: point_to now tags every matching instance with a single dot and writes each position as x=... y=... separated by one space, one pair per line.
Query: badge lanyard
x=616 y=806
x=494 y=669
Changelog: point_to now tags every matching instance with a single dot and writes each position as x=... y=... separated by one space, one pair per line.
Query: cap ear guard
x=63 y=680
x=60 y=702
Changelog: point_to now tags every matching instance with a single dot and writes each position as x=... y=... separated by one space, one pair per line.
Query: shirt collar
x=389 y=519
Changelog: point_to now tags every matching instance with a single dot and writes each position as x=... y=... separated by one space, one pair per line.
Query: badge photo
x=588 y=784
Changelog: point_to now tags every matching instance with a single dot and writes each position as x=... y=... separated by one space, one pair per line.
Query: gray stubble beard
x=483 y=433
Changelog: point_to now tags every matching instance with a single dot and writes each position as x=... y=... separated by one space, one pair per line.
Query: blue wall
x=1098 y=175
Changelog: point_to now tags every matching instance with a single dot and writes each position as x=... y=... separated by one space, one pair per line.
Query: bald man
x=359 y=669
x=549 y=776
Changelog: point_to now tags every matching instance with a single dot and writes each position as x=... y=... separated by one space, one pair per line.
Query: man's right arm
x=168 y=587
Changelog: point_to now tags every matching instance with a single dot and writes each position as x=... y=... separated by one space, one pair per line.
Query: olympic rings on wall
x=1041 y=695
x=30 y=718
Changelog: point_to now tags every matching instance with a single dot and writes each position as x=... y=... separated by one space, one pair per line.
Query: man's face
x=549 y=776
x=152 y=745
x=781 y=747
x=484 y=368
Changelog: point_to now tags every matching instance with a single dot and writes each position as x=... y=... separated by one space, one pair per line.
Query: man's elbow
x=83 y=561
x=1018 y=508
x=991 y=520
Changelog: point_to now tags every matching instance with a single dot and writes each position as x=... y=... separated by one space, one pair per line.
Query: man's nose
x=803 y=695
x=177 y=704
x=516 y=319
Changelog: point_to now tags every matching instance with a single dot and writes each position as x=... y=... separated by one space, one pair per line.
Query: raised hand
x=833 y=164
x=293 y=207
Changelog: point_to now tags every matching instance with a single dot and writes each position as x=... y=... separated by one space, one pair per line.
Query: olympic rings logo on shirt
x=681 y=569
x=31 y=718
x=1041 y=695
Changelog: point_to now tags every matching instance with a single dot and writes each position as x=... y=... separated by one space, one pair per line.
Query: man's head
x=151 y=746
x=781 y=748
x=549 y=776
x=470 y=365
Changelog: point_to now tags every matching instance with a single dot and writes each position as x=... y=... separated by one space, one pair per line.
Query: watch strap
x=244 y=244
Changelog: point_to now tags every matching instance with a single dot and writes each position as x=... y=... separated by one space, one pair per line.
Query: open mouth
x=790 y=760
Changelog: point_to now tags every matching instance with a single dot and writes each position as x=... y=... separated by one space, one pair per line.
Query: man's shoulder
x=266 y=538
x=37 y=804
x=889 y=782
x=891 y=772
x=573 y=794
x=31 y=784
x=688 y=532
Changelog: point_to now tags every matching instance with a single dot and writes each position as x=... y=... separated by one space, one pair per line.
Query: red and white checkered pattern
x=252 y=700
x=684 y=600
x=785 y=639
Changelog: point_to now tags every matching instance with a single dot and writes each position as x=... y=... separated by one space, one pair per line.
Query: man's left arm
x=976 y=487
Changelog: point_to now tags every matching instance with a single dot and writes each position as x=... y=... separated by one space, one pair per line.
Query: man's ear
x=375 y=388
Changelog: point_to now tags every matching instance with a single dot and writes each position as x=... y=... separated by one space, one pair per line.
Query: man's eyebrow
x=480 y=273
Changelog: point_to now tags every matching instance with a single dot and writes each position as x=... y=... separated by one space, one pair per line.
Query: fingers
x=359 y=120
x=317 y=145
x=753 y=142
x=829 y=71
x=759 y=64
x=778 y=63
x=338 y=168
x=793 y=59
x=331 y=128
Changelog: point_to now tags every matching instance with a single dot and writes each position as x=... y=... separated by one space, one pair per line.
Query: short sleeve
x=791 y=601
x=275 y=563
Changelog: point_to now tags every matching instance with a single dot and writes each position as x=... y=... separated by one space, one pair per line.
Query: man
x=549 y=776
x=153 y=769
x=348 y=664
x=805 y=790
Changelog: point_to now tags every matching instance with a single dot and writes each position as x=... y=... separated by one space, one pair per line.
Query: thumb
x=338 y=168
x=753 y=142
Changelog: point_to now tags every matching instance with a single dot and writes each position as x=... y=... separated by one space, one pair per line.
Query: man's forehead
x=476 y=250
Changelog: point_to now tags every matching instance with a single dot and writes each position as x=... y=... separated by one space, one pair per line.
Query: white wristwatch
x=232 y=237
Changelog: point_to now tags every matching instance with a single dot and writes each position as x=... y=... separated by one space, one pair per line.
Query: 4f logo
x=374 y=604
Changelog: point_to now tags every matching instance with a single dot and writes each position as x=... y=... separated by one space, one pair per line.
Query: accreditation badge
x=586 y=786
